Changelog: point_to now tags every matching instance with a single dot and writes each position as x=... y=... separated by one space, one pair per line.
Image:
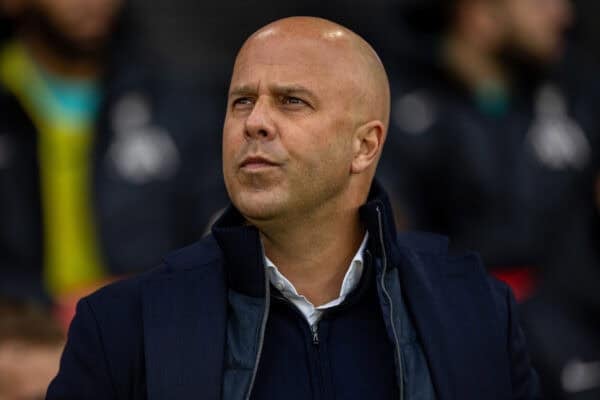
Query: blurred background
x=110 y=122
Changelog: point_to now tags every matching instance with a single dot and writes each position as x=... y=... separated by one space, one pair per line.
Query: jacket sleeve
x=83 y=372
x=524 y=379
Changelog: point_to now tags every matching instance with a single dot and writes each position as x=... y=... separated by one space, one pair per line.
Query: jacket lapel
x=184 y=333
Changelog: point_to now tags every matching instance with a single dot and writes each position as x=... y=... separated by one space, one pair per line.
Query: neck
x=314 y=254
x=473 y=64
x=52 y=61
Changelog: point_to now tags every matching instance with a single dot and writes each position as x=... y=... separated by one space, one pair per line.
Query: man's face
x=85 y=25
x=536 y=28
x=288 y=128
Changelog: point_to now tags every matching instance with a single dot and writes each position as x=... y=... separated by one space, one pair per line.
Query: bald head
x=355 y=60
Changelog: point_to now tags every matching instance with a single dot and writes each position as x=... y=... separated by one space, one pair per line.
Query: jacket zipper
x=389 y=298
x=314 y=329
x=316 y=341
x=319 y=373
x=261 y=338
x=315 y=333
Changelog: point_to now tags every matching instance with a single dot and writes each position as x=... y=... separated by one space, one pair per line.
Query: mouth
x=257 y=163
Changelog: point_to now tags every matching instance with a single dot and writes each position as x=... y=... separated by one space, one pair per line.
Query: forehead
x=293 y=59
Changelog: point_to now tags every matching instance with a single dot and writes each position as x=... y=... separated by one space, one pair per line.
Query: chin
x=257 y=206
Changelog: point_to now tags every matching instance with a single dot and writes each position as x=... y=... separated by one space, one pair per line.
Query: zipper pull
x=315 y=334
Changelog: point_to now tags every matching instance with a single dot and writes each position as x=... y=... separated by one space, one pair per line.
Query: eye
x=242 y=102
x=293 y=101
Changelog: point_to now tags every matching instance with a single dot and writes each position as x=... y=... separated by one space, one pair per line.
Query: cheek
x=329 y=153
x=340 y=144
x=231 y=140
x=228 y=160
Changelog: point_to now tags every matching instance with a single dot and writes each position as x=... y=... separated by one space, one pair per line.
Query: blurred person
x=303 y=290
x=485 y=140
x=105 y=164
x=562 y=320
x=30 y=346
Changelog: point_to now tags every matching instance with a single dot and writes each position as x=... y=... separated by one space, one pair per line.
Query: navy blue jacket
x=166 y=334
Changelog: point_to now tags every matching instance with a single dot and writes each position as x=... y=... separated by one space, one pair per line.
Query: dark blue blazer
x=162 y=335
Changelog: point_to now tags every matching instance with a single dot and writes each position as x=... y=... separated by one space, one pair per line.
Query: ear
x=367 y=144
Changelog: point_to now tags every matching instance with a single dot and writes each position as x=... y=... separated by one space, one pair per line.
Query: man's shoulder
x=430 y=252
x=423 y=242
x=139 y=327
x=433 y=251
x=202 y=256
x=197 y=255
x=459 y=281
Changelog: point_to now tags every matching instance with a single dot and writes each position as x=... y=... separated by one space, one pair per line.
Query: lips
x=257 y=162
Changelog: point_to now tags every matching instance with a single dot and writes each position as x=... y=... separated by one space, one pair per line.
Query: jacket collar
x=243 y=252
x=377 y=216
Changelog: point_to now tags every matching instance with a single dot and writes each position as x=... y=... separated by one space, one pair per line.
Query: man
x=495 y=131
x=96 y=152
x=302 y=290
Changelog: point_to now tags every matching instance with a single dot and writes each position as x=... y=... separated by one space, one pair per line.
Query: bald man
x=303 y=290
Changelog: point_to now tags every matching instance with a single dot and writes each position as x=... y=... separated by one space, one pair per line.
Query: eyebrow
x=250 y=90
x=243 y=90
x=291 y=89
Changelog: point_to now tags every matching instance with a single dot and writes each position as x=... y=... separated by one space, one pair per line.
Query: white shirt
x=310 y=312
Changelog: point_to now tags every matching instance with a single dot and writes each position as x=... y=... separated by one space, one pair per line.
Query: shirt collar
x=351 y=279
x=241 y=250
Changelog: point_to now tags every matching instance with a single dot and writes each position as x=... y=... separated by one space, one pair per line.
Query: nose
x=259 y=123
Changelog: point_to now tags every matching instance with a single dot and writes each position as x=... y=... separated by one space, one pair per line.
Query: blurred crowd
x=110 y=122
